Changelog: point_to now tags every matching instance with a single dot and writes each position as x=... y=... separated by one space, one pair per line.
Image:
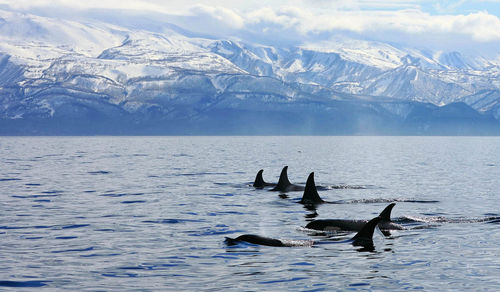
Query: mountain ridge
x=140 y=79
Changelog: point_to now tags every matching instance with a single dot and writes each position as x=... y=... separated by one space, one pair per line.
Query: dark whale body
x=284 y=185
x=311 y=196
x=363 y=238
x=254 y=239
x=355 y=225
x=259 y=182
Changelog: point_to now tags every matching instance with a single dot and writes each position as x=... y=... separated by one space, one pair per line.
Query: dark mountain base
x=343 y=118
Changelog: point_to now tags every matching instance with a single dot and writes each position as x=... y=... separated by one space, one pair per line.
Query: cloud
x=285 y=17
x=218 y=16
x=301 y=21
x=107 y=4
x=480 y=26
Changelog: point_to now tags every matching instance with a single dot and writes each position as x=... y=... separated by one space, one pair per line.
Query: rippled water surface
x=152 y=213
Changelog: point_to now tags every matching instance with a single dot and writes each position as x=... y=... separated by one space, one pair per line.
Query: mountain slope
x=70 y=77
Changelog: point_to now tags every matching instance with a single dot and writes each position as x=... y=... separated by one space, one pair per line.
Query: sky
x=447 y=25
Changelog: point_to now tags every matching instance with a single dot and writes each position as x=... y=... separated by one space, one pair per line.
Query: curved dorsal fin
x=311 y=195
x=386 y=213
x=365 y=236
x=283 y=181
x=259 y=181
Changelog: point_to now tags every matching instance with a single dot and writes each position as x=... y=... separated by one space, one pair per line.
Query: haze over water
x=151 y=213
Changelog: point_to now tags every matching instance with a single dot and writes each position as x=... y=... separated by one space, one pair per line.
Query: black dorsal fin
x=386 y=213
x=311 y=195
x=259 y=181
x=365 y=236
x=283 y=181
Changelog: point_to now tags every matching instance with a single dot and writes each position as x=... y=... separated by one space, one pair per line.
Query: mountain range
x=98 y=77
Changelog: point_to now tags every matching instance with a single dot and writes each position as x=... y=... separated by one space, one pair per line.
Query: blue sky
x=446 y=25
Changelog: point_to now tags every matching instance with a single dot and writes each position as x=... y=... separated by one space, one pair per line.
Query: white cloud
x=106 y=4
x=285 y=17
x=481 y=26
x=307 y=20
x=218 y=16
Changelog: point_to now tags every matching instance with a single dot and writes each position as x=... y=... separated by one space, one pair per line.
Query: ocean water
x=152 y=213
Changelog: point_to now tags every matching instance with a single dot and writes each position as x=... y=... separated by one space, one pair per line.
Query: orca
x=355 y=225
x=254 y=239
x=259 y=182
x=311 y=196
x=311 y=199
x=363 y=238
x=284 y=185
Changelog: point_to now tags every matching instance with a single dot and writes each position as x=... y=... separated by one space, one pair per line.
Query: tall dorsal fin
x=386 y=213
x=283 y=181
x=311 y=195
x=259 y=181
x=365 y=236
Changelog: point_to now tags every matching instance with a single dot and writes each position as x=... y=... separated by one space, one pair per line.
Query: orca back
x=386 y=213
x=365 y=236
x=283 y=182
x=254 y=239
x=311 y=195
x=259 y=181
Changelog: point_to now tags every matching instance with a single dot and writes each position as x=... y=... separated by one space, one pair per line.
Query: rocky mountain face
x=91 y=77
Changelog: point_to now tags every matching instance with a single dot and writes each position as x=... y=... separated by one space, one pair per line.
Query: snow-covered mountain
x=87 y=76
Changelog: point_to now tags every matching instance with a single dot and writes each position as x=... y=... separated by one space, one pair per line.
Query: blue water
x=151 y=213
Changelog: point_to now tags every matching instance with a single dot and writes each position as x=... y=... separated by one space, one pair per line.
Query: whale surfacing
x=311 y=196
x=354 y=225
x=284 y=185
x=259 y=182
x=254 y=239
x=363 y=238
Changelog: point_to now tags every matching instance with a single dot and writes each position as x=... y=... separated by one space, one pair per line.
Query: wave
x=387 y=200
x=443 y=219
